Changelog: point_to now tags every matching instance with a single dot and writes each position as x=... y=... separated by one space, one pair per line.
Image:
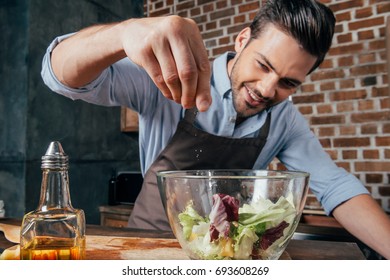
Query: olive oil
x=55 y=230
x=48 y=248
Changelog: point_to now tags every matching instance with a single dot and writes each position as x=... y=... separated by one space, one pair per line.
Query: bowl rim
x=190 y=174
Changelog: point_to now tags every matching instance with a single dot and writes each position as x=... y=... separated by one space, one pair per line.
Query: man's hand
x=171 y=50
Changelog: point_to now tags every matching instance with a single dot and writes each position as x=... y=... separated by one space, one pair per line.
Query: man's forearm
x=365 y=219
x=80 y=59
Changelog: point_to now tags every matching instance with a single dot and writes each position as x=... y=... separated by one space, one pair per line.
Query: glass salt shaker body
x=55 y=230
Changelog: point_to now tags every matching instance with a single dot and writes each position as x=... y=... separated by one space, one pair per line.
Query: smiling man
x=238 y=112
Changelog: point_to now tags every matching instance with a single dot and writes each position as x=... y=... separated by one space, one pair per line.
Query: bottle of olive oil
x=55 y=230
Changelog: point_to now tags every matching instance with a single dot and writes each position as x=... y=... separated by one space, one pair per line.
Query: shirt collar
x=220 y=79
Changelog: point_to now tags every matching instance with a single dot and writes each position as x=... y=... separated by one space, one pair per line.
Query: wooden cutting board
x=100 y=247
x=133 y=248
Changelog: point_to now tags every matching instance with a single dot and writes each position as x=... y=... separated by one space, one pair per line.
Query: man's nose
x=267 y=86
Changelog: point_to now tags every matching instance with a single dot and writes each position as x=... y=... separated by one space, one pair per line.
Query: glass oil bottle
x=55 y=230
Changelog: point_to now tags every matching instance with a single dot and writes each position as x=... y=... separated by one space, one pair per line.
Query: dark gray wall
x=31 y=116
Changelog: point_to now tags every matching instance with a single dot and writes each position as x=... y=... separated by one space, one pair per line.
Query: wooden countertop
x=118 y=240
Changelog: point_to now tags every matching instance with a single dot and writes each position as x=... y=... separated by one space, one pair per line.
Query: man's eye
x=287 y=84
x=263 y=66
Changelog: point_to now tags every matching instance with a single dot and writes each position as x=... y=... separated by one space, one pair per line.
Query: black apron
x=191 y=148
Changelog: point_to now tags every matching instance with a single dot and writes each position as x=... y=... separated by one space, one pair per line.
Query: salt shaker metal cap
x=55 y=157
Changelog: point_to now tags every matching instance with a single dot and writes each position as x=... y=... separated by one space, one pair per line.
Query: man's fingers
x=187 y=71
x=152 y=67
x=203 y=95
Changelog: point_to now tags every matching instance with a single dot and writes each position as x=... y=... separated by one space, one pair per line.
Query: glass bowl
x=233 y=214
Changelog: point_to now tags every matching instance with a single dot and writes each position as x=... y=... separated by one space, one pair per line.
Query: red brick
x=307 y=88
x=210 y=43
x=382 y=141
x=326 y=131
x=208 y=7
x=367 y=117
x=305 y=110
x=344 y=38
x=327 y=86
x=369 y=129
x=349 y=154
x=351 y=142
x=221 y=4
x=356 y=25
x=212 y=34
x=325 y=75
x=345 y=5
x=377 y=45
x=346 y=49
x=380 y=92
x=371 y=154
x=345 y=107
x=383 y=8
x=346 y=16
x=195 y=12
x=222 y=13
x=327 y=120
x=365 y=35
x=363 y=13
x=345 y=61
x=162 y=12
x=374 y=178
x=201 y=2
x=348 y=95
x=239 y=19
x=211 y=25
x=221 y=50
x=387 y=153
x=372 y=166
x=225 y=22
x=385 y=103
x=325 y=143
x=248 y=7
x=183 y=13
x=347 y=130
x=349 y=83
x=384 y=191
x=364 y=105
x=325 y=109
x=370 y=69
x=224 y=40
x=185 y=5
x=311 y=98
x=236 y=28
x=326 y=64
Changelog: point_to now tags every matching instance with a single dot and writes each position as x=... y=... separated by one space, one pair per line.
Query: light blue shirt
x=290 y=138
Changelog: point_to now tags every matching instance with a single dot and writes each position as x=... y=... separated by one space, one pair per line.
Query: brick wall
x=346 y=101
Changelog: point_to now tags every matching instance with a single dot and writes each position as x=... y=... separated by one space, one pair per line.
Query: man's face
x=266 y=70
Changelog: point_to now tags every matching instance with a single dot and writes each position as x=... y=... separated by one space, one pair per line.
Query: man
x=159 y=68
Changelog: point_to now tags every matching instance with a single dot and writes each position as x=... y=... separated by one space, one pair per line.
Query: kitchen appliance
x=124 y=187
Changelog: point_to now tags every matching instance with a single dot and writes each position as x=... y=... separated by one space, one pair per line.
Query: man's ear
x=242 y=39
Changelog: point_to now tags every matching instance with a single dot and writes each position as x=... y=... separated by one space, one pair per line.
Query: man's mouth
x=254 y=100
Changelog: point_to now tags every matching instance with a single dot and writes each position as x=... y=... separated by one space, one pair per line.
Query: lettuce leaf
x=188 y=219
x=250 y=232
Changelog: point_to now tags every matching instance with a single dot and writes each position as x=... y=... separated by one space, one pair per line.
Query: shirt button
x=232 y=119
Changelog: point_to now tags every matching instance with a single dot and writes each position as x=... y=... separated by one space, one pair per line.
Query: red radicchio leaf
x=272 y=234
x=223 y=211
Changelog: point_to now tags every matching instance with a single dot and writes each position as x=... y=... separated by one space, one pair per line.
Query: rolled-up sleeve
x=55 y=85
x=331 y=184
x=122 y=84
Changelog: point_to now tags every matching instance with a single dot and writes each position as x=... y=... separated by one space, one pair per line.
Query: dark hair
x=307 y=21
